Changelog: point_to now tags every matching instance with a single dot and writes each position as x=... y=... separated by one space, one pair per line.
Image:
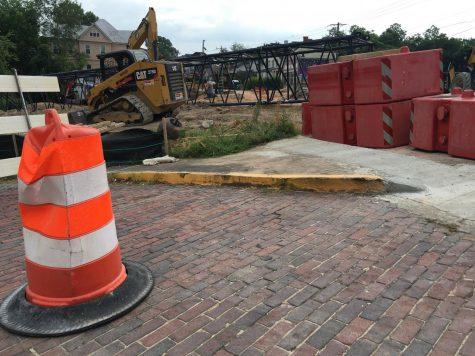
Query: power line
x=458 y=33
x=391 y=8
x=395 y=6
x=447 y=17
x=457 y=23
x=385 y=10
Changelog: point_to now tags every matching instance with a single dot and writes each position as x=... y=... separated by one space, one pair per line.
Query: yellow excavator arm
x=146 y=33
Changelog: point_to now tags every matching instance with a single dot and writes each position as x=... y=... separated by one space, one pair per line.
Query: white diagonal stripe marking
x=386 y=71
x=388 y=138
x=387 y=89
x=387 y=120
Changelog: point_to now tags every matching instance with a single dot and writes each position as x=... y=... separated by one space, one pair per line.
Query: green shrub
x=220 y=140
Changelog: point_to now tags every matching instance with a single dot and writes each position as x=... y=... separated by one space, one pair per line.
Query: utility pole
x=337 y=25
x=203 y=48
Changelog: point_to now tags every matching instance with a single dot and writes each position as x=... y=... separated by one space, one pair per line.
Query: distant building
x=99 y=38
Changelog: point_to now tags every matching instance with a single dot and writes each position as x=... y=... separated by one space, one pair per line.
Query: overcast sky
x=254 y=22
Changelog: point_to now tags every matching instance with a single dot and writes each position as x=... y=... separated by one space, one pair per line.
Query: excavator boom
x=147 y=32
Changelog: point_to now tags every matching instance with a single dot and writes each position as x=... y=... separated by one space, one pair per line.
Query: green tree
x=21 y=21
x=63 y=25
x=89 y=18
x=368 y=35
x=362 y=32
x=237 y=46
x=454 y=49
x=44 y=33
x=166 y=49
x=335 y=32
x=7 y=54
x=393 y=36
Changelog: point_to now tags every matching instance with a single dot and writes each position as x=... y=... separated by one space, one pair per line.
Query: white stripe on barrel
x=66 y=189
x=70 y=253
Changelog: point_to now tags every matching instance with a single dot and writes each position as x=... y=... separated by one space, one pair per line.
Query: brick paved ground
x=244 y=271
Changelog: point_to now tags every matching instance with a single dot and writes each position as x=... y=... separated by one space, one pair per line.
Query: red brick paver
x=248 y=271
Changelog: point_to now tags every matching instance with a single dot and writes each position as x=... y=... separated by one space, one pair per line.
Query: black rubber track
x=133 y=145
x=21 y=317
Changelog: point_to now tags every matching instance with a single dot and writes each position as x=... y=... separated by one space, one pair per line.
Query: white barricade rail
x=11 y=125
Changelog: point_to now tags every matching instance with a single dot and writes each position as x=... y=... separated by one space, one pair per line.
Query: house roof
x=114 y=35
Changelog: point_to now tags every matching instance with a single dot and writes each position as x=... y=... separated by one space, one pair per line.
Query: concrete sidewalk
x=437 y=186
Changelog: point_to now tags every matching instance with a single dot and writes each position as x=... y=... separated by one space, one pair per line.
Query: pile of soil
x=192 y=116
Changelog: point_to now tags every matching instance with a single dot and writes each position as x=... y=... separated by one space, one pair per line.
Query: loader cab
x=113 y=62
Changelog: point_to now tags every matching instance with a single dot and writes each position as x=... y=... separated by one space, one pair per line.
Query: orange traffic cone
x=75 y=275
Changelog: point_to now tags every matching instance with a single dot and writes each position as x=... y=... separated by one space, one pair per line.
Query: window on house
x=103 y=49
x=88 y=49
x=88 y=66
x=93 y=34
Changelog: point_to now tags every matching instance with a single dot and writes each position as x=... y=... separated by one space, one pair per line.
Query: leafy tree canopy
x=237 y=46
x=43 y=34
x=393 y=36
x=166 y=49
x=7 y=53
x=455 y=50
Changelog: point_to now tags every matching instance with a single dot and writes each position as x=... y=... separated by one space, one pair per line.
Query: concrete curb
x=350 y=183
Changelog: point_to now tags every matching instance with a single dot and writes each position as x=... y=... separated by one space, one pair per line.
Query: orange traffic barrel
x=76 y=278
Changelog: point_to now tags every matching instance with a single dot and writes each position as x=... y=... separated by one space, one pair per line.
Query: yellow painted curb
x=318 y=183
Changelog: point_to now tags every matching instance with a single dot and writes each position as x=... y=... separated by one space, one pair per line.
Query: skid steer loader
x=135 y=86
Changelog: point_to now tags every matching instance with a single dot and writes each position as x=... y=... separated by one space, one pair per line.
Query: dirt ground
x=40 y=108
x=192 y=116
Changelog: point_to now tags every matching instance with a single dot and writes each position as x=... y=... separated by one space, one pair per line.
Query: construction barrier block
x=430 y=122
x=334 y=124
x=306 y=120
x=462 y=126
x=76 y=278
x=331 y=84
x=397 y=77
x=383 y=125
